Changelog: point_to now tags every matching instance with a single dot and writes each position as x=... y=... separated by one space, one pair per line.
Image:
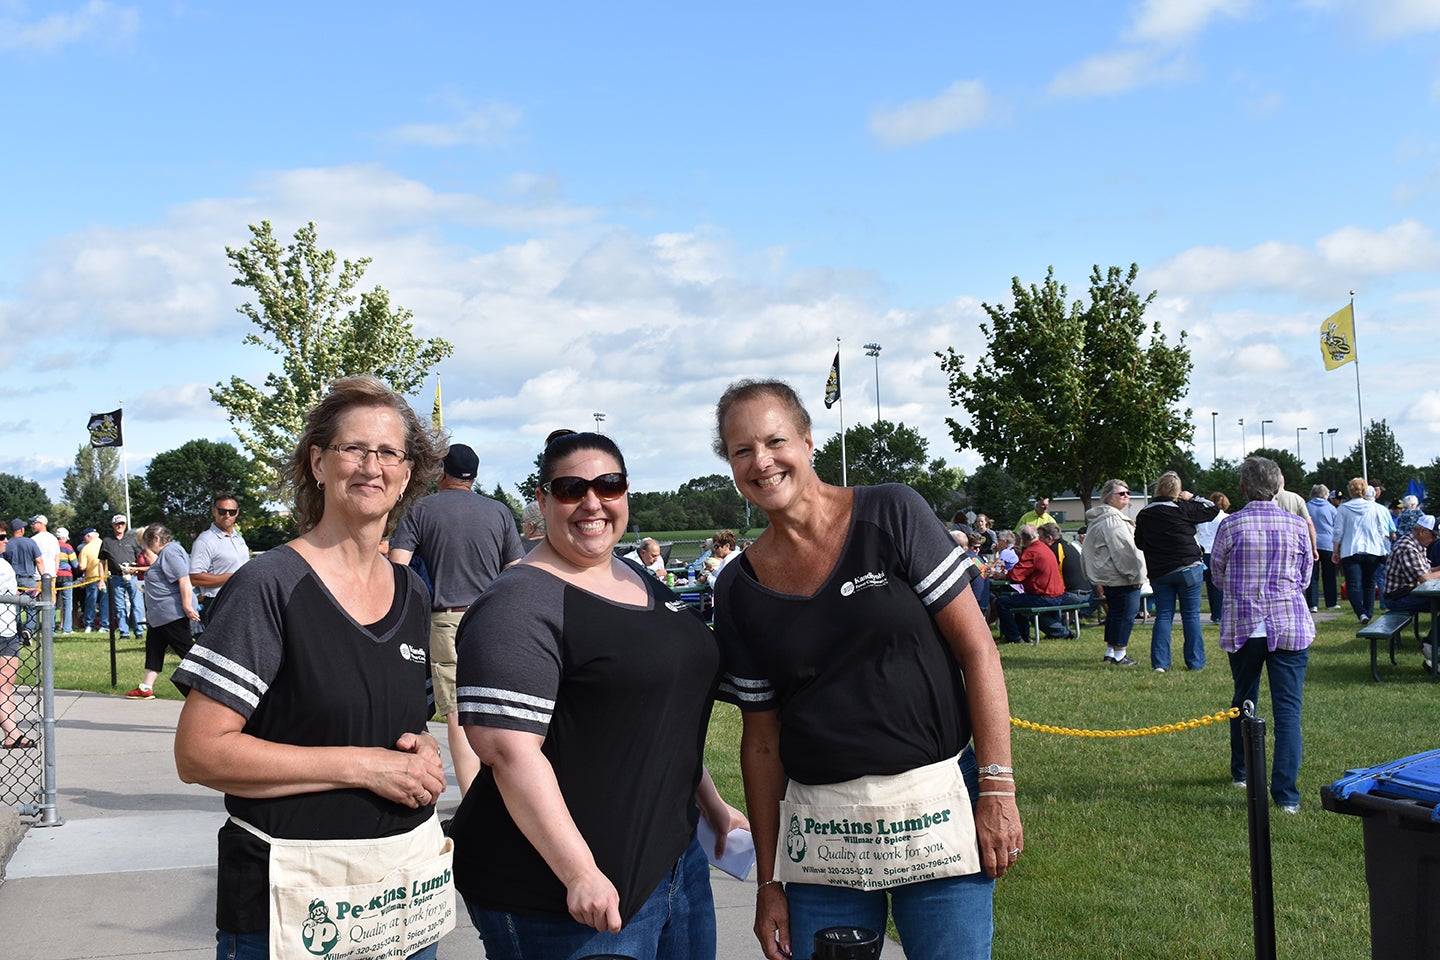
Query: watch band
x=994 y=769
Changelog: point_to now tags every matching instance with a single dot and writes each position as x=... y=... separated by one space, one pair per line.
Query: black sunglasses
x=228 y=513
x=607 y=486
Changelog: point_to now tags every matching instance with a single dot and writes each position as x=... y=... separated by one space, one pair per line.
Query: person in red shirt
x=1038 y=577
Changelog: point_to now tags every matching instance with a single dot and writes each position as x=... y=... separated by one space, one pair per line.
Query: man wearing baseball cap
x=465 y=541
x=1408 y=567
x=120 y=551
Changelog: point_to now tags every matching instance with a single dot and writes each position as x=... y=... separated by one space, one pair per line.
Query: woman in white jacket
x=1362 y=534
x=1115 y=566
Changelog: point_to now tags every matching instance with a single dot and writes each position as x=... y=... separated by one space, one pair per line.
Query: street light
x=598 y=417
x=1297 y=441
x=1214 y=445
x=1262 y=433
x=1331 y=432
x=1242 y=438
x=873 y=350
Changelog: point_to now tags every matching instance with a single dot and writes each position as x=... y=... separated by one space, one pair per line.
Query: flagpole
x=1359 y=404
x=125 y=467
x=840 y=400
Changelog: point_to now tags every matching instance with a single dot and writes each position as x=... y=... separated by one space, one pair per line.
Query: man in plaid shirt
x=1408 y=567
x=1262 y=560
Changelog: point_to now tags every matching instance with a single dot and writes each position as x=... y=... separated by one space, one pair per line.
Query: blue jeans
x=1360 y=581
x=129 y=603
x=947 y=919
x=64 y=605
x=1182 y=585
x=1286 y=669
x=256 y=946
x=677 y=920
x=1324 y=570
x=1009 y=627
x=1410 y=604
x=1216 y=596
x=1122 y=604
x=95 y=603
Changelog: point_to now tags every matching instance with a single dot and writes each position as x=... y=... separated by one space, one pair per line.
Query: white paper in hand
x=739 y=849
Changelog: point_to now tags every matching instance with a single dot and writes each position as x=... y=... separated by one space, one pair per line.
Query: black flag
x=832 y=383
x=105 y=429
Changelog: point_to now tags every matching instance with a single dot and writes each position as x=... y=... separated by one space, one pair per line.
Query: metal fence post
x=1262 y=892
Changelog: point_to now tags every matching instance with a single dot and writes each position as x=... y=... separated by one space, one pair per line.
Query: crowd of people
x=577 y=687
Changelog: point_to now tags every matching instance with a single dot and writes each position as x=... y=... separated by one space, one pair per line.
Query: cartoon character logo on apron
x=795 y=841
x=319 y=932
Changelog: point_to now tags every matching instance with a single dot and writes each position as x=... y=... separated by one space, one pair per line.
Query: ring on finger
x=1015 y=854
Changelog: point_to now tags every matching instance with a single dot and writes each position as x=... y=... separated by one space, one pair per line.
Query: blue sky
x=622 y=209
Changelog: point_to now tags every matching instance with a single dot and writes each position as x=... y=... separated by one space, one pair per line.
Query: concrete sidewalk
x=131 y=872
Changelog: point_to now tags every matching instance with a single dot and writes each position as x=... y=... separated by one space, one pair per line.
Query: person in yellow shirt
x=1039 y=516
x=92 y=574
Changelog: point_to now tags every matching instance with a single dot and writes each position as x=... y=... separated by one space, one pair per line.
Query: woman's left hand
x=412 y=774
x=1000 y=835
x=722 y=821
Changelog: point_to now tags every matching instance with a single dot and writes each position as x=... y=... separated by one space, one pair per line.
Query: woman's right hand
x=772 y=921
x=592 y=900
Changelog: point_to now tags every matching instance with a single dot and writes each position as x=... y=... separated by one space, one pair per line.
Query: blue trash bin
x=1399 y=806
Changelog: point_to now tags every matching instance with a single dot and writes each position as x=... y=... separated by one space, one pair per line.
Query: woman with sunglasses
x=1116 y=567
x=585 y=687
x=308 y=698
x=871 y=692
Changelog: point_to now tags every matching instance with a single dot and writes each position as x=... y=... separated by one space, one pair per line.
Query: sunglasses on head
x=607 y=486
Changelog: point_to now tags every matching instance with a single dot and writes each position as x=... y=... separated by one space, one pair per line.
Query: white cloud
x=965 y=104
x=1174 y=22
x=97 y=19
x=1386 y=19
x=1121 y=71
x=1341 y=258
x=487 y=125
x=1153 y=52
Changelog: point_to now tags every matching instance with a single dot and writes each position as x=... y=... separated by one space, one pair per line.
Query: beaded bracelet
x=765 y=884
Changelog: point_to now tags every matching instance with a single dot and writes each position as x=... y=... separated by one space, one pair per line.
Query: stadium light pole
x=1214 y=444
x=1242 y=438
x=1262 y=433
x=599 y=417
x=1297 y=441
x=873 y=350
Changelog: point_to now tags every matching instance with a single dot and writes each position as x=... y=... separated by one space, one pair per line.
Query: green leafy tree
x=93 y=482
x=179 y=487
x=1223 y=476
x=321 y=329
x=993 y=492
x=21 y=498
x=712 y=503
x=1290 y=468
x=1183 y=462
x=887 y=452
x=1065 y=397
x=1385 y=457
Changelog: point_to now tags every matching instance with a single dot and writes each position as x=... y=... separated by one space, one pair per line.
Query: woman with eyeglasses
x=876 y=743
x=585 y=686
x=307 y=704
x=1116 y=567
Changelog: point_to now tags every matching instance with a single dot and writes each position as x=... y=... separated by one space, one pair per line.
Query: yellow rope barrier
x=1219 y=716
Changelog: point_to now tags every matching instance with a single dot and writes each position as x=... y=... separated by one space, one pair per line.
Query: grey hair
x=1260 y=478
x=1321 y=491
x=1409 y=502
x=1028 y=534
x=1108 y=491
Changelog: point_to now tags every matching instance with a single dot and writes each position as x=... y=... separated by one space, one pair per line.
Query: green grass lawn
x=1136 y=847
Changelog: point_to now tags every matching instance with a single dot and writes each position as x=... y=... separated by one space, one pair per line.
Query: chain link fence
x=27 y=761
